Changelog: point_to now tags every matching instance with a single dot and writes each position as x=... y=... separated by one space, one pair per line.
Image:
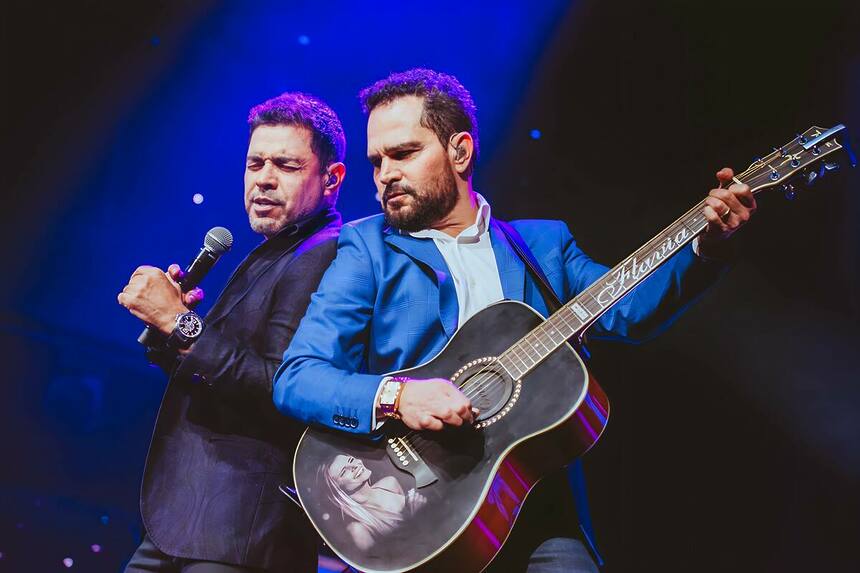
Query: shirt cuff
x=696 y=246
x=374 y=425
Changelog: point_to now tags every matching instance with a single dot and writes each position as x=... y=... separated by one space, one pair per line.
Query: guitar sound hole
x=487 y=387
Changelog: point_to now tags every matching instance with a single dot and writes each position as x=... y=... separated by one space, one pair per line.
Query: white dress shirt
x=471 y=261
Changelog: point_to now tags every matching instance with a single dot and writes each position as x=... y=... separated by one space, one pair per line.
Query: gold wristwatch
x=389 y=397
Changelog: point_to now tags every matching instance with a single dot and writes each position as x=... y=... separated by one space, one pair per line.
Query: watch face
x=189 y=325
x=389 y=392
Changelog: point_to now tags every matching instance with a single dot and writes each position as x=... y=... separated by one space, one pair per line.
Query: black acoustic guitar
x=448 y=500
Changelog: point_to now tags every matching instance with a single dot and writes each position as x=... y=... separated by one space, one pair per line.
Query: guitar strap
x=575 y=473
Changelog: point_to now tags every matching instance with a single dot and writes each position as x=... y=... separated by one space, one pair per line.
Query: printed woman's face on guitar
x=348 y=473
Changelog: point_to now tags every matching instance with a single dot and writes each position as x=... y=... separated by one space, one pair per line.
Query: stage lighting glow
x=535 y=134
x=105 y=519
x=304 y=40
x=96 y=548
x=197 y=198
x=68 y=562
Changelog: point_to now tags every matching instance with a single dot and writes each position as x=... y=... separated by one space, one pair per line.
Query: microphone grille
x=218 y=240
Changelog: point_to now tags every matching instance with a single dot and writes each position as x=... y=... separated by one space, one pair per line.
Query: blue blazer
x=388 y=302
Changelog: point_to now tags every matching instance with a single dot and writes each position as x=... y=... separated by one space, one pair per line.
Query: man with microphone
x=210 y=500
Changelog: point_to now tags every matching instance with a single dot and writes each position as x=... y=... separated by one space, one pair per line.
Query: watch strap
x=388 y=407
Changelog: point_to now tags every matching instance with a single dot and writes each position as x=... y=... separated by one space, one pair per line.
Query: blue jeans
x=561 y=555
x=552 y=555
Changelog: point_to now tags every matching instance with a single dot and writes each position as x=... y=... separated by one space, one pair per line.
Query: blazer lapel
x=227 y=303
x=424 y=252
x=512 y=270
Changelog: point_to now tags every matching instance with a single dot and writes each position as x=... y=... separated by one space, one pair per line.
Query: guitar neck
x=571 y=321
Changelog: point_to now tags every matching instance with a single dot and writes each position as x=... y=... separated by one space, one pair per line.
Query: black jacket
x=220 y=448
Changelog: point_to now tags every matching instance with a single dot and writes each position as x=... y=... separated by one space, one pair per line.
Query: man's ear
x=333 y=179
x=461 y=150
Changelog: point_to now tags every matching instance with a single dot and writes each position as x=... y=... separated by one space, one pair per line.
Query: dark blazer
x=220 y=449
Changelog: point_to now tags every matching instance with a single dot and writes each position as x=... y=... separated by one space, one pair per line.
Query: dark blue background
x=733 y=439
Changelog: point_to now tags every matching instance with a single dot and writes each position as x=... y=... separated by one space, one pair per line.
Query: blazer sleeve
x=319 y=381
x=651 y=307
x=240 y=370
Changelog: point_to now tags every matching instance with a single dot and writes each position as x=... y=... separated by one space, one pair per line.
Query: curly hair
x=328 y=141
x=448 y=106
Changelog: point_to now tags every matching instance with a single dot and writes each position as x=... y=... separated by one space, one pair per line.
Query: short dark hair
x=328 y=141
x=448 y=106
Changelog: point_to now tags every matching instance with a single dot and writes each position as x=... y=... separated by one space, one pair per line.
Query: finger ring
x=726 y=214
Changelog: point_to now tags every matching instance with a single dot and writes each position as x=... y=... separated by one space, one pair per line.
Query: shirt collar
x=470 y=234
x=303 y=227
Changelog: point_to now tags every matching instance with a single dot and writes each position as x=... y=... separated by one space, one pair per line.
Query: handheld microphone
x=216 y=242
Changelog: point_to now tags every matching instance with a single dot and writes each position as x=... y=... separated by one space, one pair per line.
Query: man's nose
x=388 y=172
x=266 y=177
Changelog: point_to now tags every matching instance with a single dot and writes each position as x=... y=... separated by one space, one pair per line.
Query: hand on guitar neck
x=431 y=404
x=727 y=210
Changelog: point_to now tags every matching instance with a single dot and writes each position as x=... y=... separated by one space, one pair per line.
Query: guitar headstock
x=806 y=158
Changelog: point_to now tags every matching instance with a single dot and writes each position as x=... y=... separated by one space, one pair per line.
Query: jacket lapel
x=225 y=304
x=512 y=270
x=424 y=252
x=320 y=228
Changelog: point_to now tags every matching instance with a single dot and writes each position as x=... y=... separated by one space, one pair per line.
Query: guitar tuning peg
x=800 y=138
x=811 y=176
x=789 y=192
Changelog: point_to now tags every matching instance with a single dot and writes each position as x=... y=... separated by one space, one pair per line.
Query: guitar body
x=448 y=500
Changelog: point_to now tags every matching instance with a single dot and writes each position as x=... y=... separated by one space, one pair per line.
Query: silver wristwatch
x=189 y=327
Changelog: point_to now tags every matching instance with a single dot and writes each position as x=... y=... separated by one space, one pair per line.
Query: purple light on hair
x=300 y=109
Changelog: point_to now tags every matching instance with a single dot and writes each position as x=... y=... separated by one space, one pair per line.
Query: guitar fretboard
x=583 y=310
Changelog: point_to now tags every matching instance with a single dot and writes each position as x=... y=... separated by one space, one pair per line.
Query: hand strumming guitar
x=430 y=404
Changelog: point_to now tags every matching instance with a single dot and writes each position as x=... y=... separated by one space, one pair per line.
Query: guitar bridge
x=403 y=454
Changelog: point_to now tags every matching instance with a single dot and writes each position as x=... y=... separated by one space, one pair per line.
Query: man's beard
x=430 y=206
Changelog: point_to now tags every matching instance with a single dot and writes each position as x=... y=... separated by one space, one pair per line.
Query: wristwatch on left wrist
x=189 y=327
